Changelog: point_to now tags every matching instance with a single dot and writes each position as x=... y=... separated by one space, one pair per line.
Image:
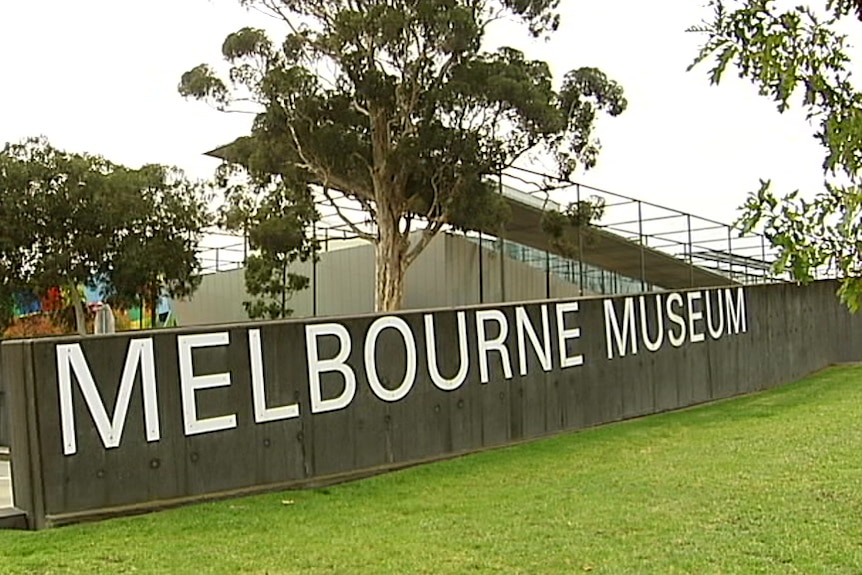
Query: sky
x=100 y=76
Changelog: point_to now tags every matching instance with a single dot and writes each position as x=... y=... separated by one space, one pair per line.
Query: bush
x=33 y=326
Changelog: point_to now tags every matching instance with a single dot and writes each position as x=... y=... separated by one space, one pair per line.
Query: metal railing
x=698 y=241
x=719 y=247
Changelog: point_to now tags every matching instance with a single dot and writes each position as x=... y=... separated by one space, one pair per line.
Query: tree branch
x=428 y=234
x=352 y=225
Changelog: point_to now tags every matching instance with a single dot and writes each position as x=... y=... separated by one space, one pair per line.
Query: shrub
x=33 y=326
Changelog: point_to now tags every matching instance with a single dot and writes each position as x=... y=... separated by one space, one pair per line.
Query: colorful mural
x=57 y=299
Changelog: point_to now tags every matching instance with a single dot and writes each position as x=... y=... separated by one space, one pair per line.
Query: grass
x=763 y=484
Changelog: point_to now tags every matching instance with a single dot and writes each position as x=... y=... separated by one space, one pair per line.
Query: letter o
x=377 y=387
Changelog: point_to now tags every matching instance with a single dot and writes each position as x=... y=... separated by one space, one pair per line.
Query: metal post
x=730 y=253
x=641 y=241
x=502 y=269
x=216 y=259
x=502 y=239
x=314 y=274
x=283 y=289
x=481 y=273
x=690 y=255
x=580 y=242
x=763 y=256
x=244 y=244
x=547 y=275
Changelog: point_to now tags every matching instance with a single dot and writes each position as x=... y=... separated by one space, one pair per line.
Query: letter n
x=110 y=429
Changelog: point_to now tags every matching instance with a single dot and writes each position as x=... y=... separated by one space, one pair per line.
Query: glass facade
x=593 y=279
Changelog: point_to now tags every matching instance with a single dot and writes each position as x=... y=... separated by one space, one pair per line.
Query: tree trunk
x=283 y=288
x=78 y=305
x=392 y=242
x=392 y=245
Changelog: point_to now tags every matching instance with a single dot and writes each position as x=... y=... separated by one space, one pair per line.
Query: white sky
x=100 y=76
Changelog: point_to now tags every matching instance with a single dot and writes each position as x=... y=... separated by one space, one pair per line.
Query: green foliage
x=801 y=57
x=69 y=219
x=267 y=276
x=200 y=81
x=569 y=229
x=276 y=215
x=399 y=107
x=33 y=326
x=155 y=241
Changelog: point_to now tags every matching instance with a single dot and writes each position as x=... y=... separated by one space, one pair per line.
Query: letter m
x=612 y=328
x=736 y=320
x=70 y=358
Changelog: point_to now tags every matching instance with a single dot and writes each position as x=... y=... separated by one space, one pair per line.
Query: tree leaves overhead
x=201 y=82
x=797 y=52
x=799 y=57
x=399 y=106
x=540 y=15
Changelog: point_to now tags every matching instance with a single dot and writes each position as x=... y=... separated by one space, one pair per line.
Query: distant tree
x=401 y=107
x=50 y=233
x=800 y=57
x=276 y=216
x=73 y=219
x=154 y=251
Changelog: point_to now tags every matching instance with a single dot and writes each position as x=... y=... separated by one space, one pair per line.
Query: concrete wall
x=230 y=409
x=445 y=274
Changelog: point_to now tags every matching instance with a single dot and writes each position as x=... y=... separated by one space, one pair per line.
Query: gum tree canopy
x=400 y=107
x=799 y=57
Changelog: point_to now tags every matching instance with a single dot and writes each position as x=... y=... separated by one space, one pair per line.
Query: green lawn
x=764 y=484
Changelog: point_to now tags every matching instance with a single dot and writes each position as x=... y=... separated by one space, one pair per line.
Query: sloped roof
x=600 y=247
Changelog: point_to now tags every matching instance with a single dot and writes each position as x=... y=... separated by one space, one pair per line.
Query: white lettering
x=659 y=318
x=262 y=413
x=190 y=383
x=374 y=382
x=675 y=340
x=497 y=344
x=316 y=366
x=629 y=332
x=563 y=335
x=542 y=348
x=735 y=311
x=110 y=429
x=714 y=332
x=431 y=351
x=694 y=316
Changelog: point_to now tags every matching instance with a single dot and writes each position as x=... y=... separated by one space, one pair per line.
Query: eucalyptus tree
x=404 y=108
